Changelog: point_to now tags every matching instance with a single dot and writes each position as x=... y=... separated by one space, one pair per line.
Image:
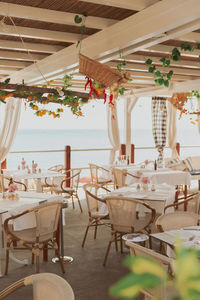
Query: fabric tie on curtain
x=172 y=130
x=159 y=124
x=113 y=131
x=10 y=126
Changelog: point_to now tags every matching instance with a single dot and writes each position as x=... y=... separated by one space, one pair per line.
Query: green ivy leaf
x=121 y=91
x=119 y=67
x=152 y=69
x=7 y=80
x=176 y=55
x=198 y=45
x=169 y=74
x=157 y=74
x=166 y=83
x=148 y=62
x=168 y=62
x=77 y=19
x=187 y=47
x=160 y=81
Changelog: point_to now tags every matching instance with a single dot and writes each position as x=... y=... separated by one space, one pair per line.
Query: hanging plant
x=163 y=78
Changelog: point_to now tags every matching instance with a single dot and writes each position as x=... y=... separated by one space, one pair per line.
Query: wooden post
x=178 y=148
x=132 y=153
x=4 y=164
x=67 y=163
x=123 y=149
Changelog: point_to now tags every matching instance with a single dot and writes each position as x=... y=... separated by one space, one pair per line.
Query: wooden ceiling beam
x=20 y=56
x=40 y=34
x=127 y=4
x=14 y=64
x=34 y=47
x=146 y=25
x=190 y=37
x=52 y=16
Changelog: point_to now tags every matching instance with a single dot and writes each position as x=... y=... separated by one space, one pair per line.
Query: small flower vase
x=145 y=186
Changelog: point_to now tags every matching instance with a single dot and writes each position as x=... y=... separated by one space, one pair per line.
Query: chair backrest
x=47 y=216
x=56 y=168
x=75 y=176
x=92 y=200
x=192 y=202
x=94 y=173
x=119 y=177
x=45 y=286
x=136 y=249
x=176 y=220
x=122 y=212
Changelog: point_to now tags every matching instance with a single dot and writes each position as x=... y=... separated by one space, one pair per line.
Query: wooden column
x=132 y=154
x=4 y=164
x=67 y=162
x=123 y=149
x=178 y=148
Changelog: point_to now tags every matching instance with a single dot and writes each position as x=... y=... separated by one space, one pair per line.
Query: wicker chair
x=180 y=219
x=45 y=286
x=71 y=179
x=123 y=219
x=39 y=237
x=164 y=261
x=97 y=209
x=47 y=182
x=120 y=177
x=97 y=177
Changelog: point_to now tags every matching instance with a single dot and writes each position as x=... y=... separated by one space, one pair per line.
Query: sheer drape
x=172 y=130
x=113 y=131
x=159 y=122
x=10 y=126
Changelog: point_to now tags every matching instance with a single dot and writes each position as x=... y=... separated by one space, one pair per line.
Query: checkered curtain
x=159 y=124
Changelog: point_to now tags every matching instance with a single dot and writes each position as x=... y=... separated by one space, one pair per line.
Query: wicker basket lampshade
x=99 y=72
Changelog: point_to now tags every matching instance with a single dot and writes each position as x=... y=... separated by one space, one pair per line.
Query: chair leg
x=116 y=245
x=121 y=243
x=95 y=230
x=7 y=261
x=150 y=242
x=60 y=261
x=73 y=202
x=79 y=202
x=86 y=232
x=107 y=251
x=37 y=263
x=32 y=259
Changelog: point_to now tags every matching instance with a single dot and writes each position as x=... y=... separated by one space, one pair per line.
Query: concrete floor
x=88 y=278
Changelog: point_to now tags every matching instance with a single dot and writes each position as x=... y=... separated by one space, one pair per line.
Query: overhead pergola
x=141 y=29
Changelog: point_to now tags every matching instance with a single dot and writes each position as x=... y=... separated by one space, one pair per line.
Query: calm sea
x=83 y=139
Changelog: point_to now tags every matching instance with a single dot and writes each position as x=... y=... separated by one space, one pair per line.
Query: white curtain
x=113 y=131
x=10 y=126
x=198 y=101
x=129 y=105
x=172 y=130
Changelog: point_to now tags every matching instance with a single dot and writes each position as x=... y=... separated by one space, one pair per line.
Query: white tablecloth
x=26 y=200
x=167 y=175
x=22 y=175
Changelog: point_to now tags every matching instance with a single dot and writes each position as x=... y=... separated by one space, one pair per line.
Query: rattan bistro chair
x=123 y=219
x=97 y=209
x=162 y=260
x=97 y=176
x=45 y=286
x=71 y=179
x=120 y=177
x=179 y=219
x=39 y=237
